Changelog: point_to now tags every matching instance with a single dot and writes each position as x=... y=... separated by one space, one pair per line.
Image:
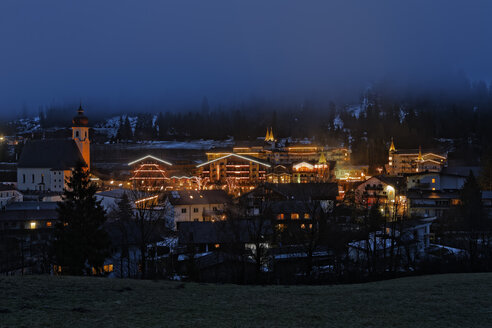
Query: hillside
x=454 y=300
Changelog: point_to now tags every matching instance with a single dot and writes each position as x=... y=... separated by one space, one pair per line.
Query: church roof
x=55 y=154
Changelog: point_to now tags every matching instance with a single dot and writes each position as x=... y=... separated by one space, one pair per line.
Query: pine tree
x=80 y=242
x=125 y=209
x=471 y=203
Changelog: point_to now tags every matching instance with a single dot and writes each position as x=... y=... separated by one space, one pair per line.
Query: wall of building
x=32 y=178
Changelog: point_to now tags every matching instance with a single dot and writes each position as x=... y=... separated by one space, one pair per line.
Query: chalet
x=267 y=195
x=238 y=172
x=193 y=205
x=385 y=191
x=433 y=194
x=149 y=172
x=9 y=194
x=26 y=229
x=45 y=165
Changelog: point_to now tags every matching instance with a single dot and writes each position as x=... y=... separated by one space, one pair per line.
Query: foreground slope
x=453 y=300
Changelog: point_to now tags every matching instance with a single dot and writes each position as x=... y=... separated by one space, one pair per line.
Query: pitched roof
x=240 y=230
x=56 y=154
x=190 y=197
x=244 y=157
x=305 y=191
x=149 y=157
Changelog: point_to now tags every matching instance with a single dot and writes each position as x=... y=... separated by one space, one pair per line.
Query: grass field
x=453 y=300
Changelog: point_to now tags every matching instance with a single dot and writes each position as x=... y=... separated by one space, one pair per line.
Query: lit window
x=303 y=226
x=217 y=245
x=48 y=224
x=33 y=225
x=294 y=216
x=307 y=216
x=433 y=180
x=108 y=268
x=433 y=188
x=280 y=216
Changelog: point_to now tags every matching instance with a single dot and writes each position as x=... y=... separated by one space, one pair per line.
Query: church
x=45 y=165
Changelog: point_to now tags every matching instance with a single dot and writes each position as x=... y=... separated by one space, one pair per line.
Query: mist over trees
x=460 y=110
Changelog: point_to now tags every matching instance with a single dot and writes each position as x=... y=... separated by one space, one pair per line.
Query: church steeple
x=80 y=134
x=269 y=135
x=392 y=146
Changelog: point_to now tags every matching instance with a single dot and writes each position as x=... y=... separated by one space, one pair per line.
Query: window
x=195 y=210
x=48 y=224
x=42 y=178
x=214 y=208
x=183 y=210
x=307 y=216
x=23 y=178
x=280 y=216
x=33 y=178
x=294 y=216
x=108 y=268
x=433 y=180
x=76 y=134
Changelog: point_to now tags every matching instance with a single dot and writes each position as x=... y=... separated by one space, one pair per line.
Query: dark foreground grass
x=453 y=300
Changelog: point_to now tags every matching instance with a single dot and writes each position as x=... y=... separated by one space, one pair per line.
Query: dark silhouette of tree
x=81 y=245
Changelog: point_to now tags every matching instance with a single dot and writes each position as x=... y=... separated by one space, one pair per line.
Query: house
x=125 y=258
x=194 y=205
x=26 y=229
x=313 y=171
x=433 y=194
x=45 y=165
x=9 y=194
x=385 y=191
x=109 y=199
x=266 y=195
x=410 y=240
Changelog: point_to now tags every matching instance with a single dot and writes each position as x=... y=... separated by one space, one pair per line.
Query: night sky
x=173 y=53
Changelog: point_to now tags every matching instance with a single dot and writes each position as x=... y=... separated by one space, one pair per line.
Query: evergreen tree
x=125 y=208
x=471 y=203
x=126 y=131
x=80 y=242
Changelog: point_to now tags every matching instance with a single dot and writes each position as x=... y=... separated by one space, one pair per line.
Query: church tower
x=80 y=134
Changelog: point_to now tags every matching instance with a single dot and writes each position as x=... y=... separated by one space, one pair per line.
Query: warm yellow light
x=33 y=225
x=433 y=180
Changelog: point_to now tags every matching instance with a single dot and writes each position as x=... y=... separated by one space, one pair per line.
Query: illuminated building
x=279 y=174
x=268 y=149
x=349 y=173
x=384 y=191
x=313 y=171
x=237 y=172
x=406 y=161
x=433 y=194
x=149 y=172
x=192 y=205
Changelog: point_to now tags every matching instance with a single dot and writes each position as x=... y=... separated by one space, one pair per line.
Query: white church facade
x=45 y=165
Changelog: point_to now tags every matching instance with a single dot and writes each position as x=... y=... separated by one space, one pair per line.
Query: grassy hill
x=453 y=300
